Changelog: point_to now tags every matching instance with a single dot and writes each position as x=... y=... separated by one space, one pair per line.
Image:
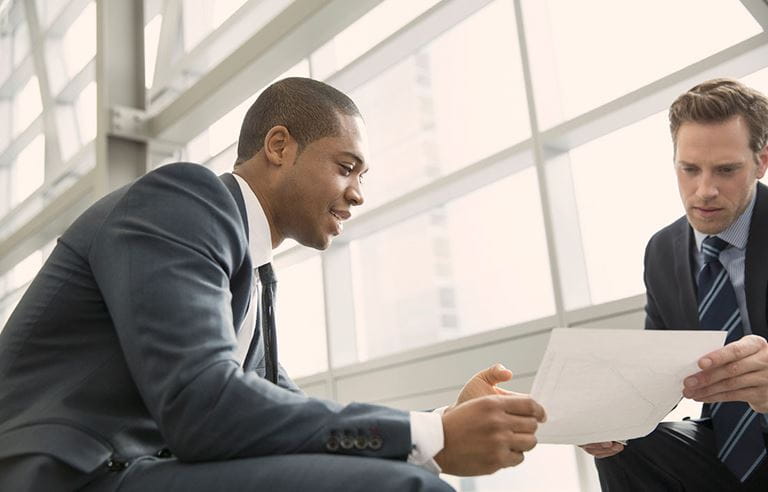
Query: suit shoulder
x=666 y=236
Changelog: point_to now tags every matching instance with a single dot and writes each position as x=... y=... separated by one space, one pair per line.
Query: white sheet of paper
x=612 y=385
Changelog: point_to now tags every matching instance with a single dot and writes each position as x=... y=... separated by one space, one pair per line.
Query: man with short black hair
x=143 y=355
x=709 y=270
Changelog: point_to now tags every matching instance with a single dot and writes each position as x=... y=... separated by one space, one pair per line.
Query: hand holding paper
x=600 y=385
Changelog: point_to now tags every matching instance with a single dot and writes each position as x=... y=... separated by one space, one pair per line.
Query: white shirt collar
x=735 y=234
x=259 y=237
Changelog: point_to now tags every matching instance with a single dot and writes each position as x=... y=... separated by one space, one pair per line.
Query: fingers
x=603 y=449
x=523 y=405
x=754 y=379
x=734 y=351
x=755 y=396
x=495 y=374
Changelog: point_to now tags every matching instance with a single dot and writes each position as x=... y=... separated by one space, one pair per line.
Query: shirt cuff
x=426 y=439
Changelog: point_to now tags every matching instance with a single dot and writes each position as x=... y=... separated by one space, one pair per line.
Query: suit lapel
x=756 y=264
x=683 y=246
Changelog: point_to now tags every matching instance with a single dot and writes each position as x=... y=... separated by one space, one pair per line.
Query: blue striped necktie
x=738 y=433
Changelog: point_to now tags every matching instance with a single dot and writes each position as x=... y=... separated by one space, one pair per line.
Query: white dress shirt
x=426 y=427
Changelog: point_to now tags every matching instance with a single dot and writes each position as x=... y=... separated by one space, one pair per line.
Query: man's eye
x=346 y=169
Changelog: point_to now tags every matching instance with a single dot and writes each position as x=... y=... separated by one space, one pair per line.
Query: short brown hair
x=718 y=100
x=309 y=109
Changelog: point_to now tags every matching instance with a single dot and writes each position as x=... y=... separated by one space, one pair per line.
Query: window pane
x=85 y=109
x=438 y=110
x=151 y=41
x=301 y=318
x=28 y=172
x=625 y=190
x=365 y=33
x=48 y=10
x=759 y=80
x=225 y=131
x=459 y=269
x=20 y=43
x=27 y=106
x=614 y=40
x=25 y=270
x=79 y=43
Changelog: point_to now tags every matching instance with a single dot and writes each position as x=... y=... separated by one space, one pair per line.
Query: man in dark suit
x=142 y=357
x=709 y=270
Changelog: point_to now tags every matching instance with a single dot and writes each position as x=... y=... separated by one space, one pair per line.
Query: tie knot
x=712 y=247
x=266 y=274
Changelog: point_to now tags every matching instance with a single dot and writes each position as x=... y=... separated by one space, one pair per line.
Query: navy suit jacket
x=124 y=343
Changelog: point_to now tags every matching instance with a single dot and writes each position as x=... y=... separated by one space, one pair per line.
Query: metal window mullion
x=52 y=147
x=539 y=164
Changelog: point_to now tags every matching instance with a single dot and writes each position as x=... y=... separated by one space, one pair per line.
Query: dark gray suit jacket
x=670 y=278
x=124 y=344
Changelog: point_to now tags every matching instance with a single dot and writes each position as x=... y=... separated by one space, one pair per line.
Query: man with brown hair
x=709 y=270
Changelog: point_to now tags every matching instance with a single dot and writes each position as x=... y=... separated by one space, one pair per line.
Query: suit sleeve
x=285 y=381
x=163 y=259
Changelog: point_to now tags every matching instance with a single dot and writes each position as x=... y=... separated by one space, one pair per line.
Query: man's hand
x=484 y=384
x=603 y=449
x=736 y=372
x=488 y=433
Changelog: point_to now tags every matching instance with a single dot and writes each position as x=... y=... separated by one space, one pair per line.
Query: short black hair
x=309 y=109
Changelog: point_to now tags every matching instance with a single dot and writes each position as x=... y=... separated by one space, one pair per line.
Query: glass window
x=759 y=80
x=77 y=122
x=151 y=41
x=477 y=263
x=599 y=50
x=625 y=190
x=5 y=124
x=24 y=271
x=85 y=109
x=365 y=33
x=20 y=43
x=202 y=17
x=27 y=106
x=300 y=312
x=48 y=10
x=6 y=46
x=438 y=110
x=211 y=144
x=79 y=42
x=28 y=171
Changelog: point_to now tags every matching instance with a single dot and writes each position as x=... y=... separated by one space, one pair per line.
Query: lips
x=342 y=215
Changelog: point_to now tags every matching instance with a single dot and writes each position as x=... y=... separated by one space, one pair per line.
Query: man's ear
x=279 y=146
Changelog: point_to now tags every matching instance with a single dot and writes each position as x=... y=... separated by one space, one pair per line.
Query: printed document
x=612 y=385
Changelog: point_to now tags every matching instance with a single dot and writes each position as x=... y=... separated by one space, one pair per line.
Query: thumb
x=496 y=374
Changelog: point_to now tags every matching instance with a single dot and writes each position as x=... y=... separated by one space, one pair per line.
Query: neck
x=260 y=187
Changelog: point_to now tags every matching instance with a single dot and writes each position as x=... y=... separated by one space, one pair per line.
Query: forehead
x=713 y=142
x=350 y=139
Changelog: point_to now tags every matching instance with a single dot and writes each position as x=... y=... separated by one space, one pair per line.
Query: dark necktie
x=268 y=284
x=738 y=433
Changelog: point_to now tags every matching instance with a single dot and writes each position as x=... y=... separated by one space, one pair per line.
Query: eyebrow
x=685 y=163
